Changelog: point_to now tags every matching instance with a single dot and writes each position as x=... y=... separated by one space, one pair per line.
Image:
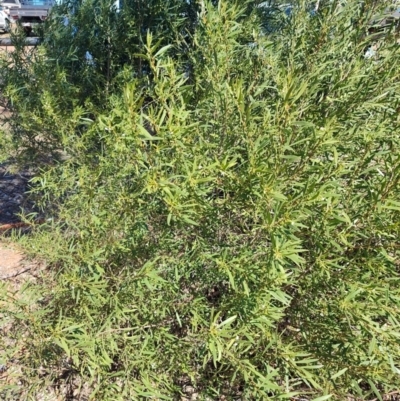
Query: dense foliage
x=223 y=218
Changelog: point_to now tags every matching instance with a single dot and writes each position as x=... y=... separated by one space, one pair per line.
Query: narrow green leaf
x=227 y=321
x=340 y=373
x=323 y=398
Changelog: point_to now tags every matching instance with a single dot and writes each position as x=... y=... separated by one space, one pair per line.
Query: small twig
x=376 y=399
x=5 y=227
x=15 y=274
x=388 y=394
x=10 y=226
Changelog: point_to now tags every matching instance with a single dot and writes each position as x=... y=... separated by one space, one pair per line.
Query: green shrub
x=227 y=218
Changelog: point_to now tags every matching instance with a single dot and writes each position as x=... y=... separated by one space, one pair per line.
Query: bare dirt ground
x=15 y=270
x=6 y=49
x=11 y=262
x=14 y=265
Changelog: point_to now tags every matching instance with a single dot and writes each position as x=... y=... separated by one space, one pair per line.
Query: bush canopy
x=221 y=187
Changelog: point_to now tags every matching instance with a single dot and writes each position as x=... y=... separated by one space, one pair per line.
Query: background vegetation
x=222 y=199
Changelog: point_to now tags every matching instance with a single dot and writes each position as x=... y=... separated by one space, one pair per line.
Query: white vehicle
x=4 y=20
x=7 y=5
x=30 y=11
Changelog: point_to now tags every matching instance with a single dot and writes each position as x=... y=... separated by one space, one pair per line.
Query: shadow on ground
x=13 y=199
